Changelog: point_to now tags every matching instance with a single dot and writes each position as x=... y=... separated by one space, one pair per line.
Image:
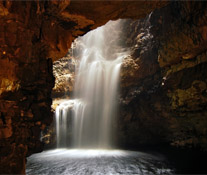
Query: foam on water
x=80 y=161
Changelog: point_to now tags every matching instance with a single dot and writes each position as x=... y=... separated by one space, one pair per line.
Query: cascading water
x=88 y=119
x=96 y=89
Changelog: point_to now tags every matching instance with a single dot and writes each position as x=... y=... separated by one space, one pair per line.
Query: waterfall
x=94 y=108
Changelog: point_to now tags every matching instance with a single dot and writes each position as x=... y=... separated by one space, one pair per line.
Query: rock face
x=164 y=96
x=32 y=34
x=64 y=72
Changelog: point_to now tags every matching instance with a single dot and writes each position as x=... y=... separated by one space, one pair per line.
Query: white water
x=96 y=86
x=63 y=122
x=95 y=162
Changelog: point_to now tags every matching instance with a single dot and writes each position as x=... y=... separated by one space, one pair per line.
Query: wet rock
x=166 y=96
x=64 y=72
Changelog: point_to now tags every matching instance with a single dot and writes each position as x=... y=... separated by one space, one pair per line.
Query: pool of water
x=96 y=162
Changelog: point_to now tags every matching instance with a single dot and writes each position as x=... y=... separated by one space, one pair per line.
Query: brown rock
x=64 y=72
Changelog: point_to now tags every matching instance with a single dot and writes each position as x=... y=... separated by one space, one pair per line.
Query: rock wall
x=164 y=95
x=32 y=34
x=26 y=81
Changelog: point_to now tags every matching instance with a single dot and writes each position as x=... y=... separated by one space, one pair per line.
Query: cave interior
x=163 y=82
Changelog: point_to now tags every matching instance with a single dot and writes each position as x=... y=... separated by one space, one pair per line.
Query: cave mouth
x=84 y=129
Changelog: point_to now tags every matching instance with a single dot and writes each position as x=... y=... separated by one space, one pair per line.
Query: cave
x=162 y=96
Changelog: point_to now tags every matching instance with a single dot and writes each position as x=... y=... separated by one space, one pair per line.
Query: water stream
x=93 y=110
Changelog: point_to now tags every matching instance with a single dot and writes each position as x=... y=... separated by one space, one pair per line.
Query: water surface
x=96 y=162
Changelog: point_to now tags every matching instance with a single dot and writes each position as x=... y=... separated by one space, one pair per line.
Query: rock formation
x=164 y=95
x=64 y=72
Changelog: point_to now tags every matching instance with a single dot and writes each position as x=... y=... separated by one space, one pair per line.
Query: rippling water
x=96 y=162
